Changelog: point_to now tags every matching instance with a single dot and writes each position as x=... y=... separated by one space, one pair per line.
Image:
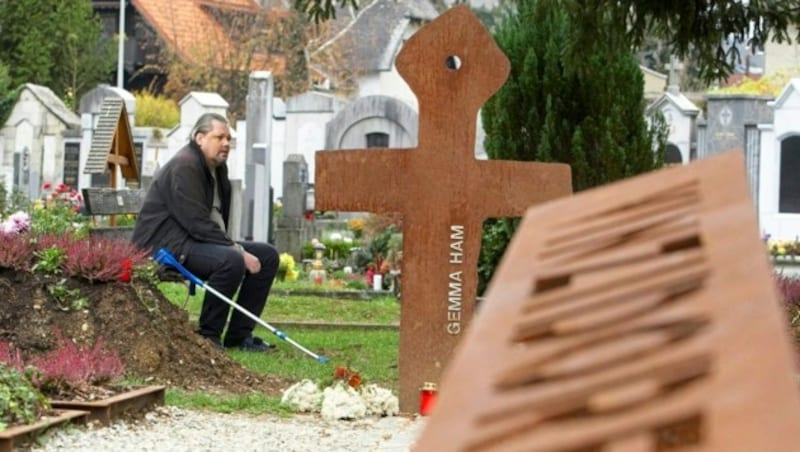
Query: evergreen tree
x=56 y=44
x=592 y=119
x=8 y=95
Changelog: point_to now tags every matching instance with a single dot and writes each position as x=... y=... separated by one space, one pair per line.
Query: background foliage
x=56 y=44
x=156 y=111
x=688 y=26
x=593 y=119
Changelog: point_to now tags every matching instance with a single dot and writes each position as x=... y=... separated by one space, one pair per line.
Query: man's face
x=216 y=144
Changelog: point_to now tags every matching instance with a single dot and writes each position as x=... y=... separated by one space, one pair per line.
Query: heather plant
x=20 y=401
x=11 y=357
x=16 y=251
x=789 y=290
x=99 y=260
x=70 y=366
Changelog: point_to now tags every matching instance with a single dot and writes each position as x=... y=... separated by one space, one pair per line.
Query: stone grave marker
x=444 y=193
x=639 y=316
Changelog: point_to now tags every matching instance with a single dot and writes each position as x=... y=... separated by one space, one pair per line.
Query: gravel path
x=174 y=429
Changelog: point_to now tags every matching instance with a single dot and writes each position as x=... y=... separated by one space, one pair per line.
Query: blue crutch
x=164 y=257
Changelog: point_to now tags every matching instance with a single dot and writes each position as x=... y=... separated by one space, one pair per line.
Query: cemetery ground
x=152 y=329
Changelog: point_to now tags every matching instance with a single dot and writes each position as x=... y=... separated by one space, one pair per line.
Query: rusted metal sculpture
x=443 y=192
x=639 y=316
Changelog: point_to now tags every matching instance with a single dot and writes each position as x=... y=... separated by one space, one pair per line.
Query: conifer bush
x=550 y=110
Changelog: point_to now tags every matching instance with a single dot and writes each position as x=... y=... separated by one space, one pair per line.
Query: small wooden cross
x=444 y=194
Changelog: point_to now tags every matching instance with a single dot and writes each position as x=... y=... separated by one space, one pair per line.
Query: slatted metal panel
x=640 y=316
x=103 y=138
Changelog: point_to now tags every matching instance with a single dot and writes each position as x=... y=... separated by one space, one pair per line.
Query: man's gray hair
x=204 y=123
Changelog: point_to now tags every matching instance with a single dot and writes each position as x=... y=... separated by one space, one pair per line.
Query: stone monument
x=444 y=193
x=639 y=316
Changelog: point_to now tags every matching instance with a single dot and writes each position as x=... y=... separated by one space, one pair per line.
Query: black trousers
x=222 y=267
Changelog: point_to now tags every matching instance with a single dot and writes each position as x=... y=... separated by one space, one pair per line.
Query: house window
x=790 y=175
x=673 y=155
x=377 y=140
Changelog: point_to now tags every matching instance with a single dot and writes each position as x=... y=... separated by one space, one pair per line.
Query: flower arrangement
x=344 y=398
x=782 y=248
x=59 y=212
x=356 y=225
x=286 y=268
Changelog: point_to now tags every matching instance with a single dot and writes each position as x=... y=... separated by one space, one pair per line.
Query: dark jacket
x=177 y=208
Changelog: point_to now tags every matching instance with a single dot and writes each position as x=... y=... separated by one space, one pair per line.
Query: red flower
x=47 y=186
x=125 y=274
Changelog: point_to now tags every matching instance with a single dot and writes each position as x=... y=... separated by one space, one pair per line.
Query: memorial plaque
x=444 y=193
x=640 y=316
x=72 y=156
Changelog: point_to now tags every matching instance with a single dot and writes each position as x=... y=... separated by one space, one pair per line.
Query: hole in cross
x=453 y=62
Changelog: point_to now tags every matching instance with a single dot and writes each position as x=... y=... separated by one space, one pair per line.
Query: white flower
x=16 y=223
x=304 y=396
x=379 y=401
x=342 y=402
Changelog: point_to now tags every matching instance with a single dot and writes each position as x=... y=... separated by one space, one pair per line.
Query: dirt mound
x=153 y=337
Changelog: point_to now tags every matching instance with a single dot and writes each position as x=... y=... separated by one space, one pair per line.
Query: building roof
x=186 y=24
x=368 y=39
x=676 y=98
x=792 y=87
x=653 y=72
x=54 y=104
x=205 y=99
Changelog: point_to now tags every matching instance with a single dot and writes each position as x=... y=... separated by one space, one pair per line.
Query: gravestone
x=732 y=123
x=290 y=233
x=72 y=160
x=257 y=204
x=681 y=116
x=443 y=192
x=639 y=316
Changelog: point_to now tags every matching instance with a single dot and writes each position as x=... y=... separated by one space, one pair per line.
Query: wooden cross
x=444 y=194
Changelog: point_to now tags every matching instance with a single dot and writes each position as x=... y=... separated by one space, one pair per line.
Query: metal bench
x=111 y=202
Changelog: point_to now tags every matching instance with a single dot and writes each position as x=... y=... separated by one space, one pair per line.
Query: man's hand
x=251 y=262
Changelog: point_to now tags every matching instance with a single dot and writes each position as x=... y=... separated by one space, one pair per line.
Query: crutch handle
x=164 y=257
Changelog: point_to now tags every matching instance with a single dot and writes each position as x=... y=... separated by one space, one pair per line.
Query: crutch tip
x=323 y=359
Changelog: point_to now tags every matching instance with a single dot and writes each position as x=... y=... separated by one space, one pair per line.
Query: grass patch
x=305 y=308
x=373 y=353
x=250 y=403
x=305 y=285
